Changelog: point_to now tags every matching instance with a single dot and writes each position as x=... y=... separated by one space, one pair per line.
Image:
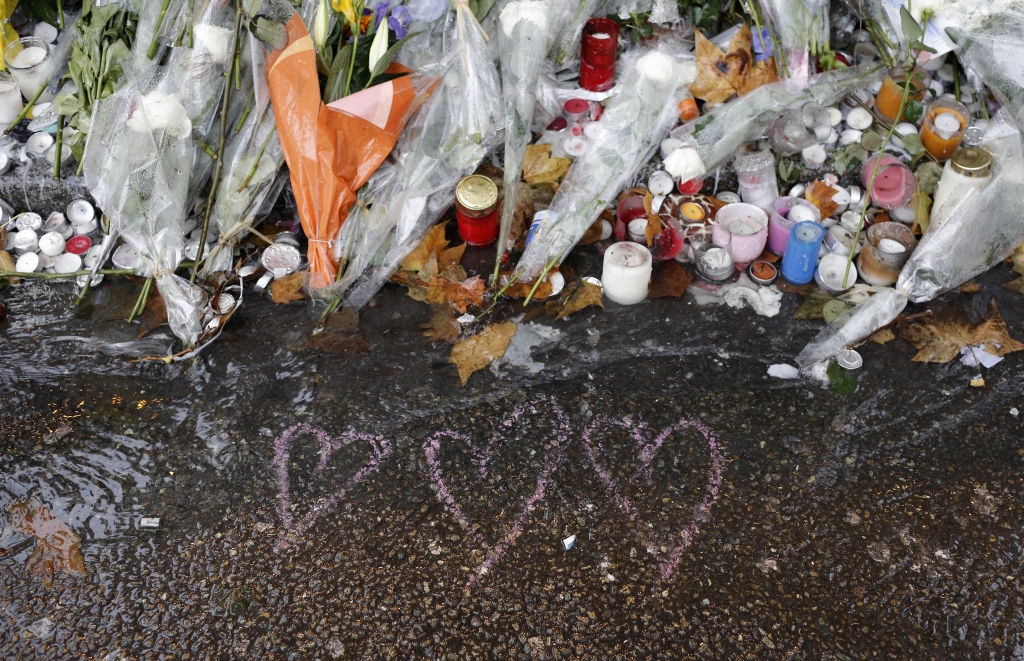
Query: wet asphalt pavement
x=365 y=506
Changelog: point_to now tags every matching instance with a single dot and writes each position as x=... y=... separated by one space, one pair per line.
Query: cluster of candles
x=63 y=243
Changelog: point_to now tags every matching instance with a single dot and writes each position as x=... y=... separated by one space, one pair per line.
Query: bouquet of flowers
x=638 y=117
x=446 y=140
x=802 y=28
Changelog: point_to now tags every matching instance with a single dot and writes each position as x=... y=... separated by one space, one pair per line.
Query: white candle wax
x=842 y=200
x=729 y=197
x=68 y=263
x=26 y=241
x=51 y=243
x=574 y=146
x=80 y=212
x=45 y=31
x=10 y=101
x=38 y=143
x=850 y=136
x=905 y=214
x=800 y=213
x=606 y=230
x=638 y=229
x=26 y=70
x=805 y=234
x=859 y=119
x=627 y=272
x=742 y=227
x=660 y=183
x=833 y=274
x=28 y=221
x=835 y=115
x=669 y=145
x=716 y=259
x=891 y=247
x=601 y=35
x=27 y=263
x=814 y=156
x=946 y=123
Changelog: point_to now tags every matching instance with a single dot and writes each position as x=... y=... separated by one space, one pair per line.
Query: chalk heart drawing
x=379 y=448
x=648 y=447
x=482 y=456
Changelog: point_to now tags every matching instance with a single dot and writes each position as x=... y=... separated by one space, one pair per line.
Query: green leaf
x=841 y=381
x=66 y=104
x=912 y=143
x=871 y=141
x=252 y=7
x=832 y=309
x=928 y=175
x=913 y=112
x=389 y=55
x=481 y=8
x=272 y=33
x=921 y=46
x=911 y=30
x=336 y=79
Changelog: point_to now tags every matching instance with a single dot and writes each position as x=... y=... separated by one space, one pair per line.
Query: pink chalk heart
x=503 y=524
x=642 y=493
x=325 y=487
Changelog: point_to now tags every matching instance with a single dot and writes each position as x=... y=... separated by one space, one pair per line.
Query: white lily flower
x=323 y=14
x=213 y=39
x=379 y=45
x=534 y=11
x=158 y=111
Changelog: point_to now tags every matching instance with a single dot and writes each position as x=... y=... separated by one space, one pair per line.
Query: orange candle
x=943 y=128
x=891 y=95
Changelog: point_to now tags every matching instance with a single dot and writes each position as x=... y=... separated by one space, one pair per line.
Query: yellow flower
x=345 y=7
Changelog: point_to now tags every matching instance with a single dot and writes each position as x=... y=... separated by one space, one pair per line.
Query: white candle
x=728 y=197
x=814 y=156
x=627 y=272
x=904 y=214
x=601 y=35
x=832 y=274
x=835 y=115
x=28 y=221
x=10 y=99
x=26 y=241
x=800 y=213
x=574 y=146
x=660 y=183
x=891 y=246
x=47 y=261
x=45 y=31
x=29 y=70
x=68 y=263
x=833 y=138
x=946 y=123
x=38 y=143
x=606 y=230
x=80 y=212
x=850 y=220
x=859 y=119
x=842 y=199
x=638 y=229
x=742 y=227
x=798 y=190
x=850 y=136
x=86 y=228
x=669 y=145
x=27 y=263
x=51 y=243
x=716 y=258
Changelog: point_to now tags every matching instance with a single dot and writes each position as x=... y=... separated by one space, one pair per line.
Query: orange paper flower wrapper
x=331 y=150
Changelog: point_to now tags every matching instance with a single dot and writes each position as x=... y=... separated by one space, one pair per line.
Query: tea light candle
x=28 y=221
x=814 y=156
x=832 y=275
x=891 y=246
x=127 y=257
x=859 y=119
x=606 y=230
x=48 y=261
x=638 y=230
x=850 y=136
x=575 y=146
x=669 y=145
x=91 y=256
x=946 y=123
x=86 y=228
x=833 y=138
x=798 y=190
x=660 y=183
x=835 y=116
x=741 y=227
x=45 y=31
x=800 y=214
x=27 y=263
x=729 y=197
x=902 y=129
x=905 y=214
x=842 y=199
x=51 y=243
x=850 y=220
x=38 y=143
x=68 y=263
x=26 y=241
x=627 y=272
x=80 y=212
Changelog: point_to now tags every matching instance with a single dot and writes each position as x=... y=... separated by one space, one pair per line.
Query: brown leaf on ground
x=592 y=234
x=343 y=319
x=883 y=336
x=540 y=168
x=521 y=290
x=7 y=264
x=433 y=243
x=940 y=337
x=969 y=287
x=669 y=280
x=461 y=295
x=1018 y=259
x=720 y=74
x=577 y=295
x=56 y=544
x=155 y=314
x=478 y=351
x=451 y=256
x=417 y=293
x=1015 y=285
x=442 y=325
x=454 y=272
x=337 y=342
x=289 y=288
x=820 y=195
x=815 y=299
x=269 y=231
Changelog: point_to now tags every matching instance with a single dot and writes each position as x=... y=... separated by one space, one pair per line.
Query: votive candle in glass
x=943 y=127
x=801 y=255
x=627 y=272
x=10 y=99
x=28 y=61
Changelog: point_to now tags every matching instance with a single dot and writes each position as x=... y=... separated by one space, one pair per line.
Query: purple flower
x=399 y=20
x=762 y=46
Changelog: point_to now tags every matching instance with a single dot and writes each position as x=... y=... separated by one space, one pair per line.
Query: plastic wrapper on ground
x=446 y=140
x=976 y=229
x=854 y=326
x=638 y=116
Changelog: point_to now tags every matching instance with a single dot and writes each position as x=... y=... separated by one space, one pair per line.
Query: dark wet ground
x=884 y=524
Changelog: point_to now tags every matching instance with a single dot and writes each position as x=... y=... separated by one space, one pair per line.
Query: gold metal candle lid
x=972 y=161
x=476 y=193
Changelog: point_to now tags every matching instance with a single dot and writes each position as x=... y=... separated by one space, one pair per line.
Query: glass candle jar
x=943 y=127
x=755 y=169
x=476 y=210
x=887 y=103
x=894 y=184
x=28 y=60
x=799 y=128
x=713 y=262
x=745 y=228
x=885 y=252
x=627 y=273
x=10 y=99
x=971 y=167
x=802 y=252
x=598 y=50
x=783 y=219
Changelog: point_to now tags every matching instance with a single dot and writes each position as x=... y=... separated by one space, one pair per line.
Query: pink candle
x=894 y=184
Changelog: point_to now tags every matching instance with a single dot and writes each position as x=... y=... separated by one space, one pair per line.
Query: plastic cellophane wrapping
x=140 y=153
x=638 y=116
x=445 y=141
x=802 y=26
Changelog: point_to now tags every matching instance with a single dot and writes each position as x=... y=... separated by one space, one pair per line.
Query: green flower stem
x=60 y=14
x=255 y=164
x=140 y=304
x=62 y=276
x=25 y=109
x=205 y=146
x=154 y=43
x=540 y=279
x=352 y=63
x=221 y=142
x=245 y=113
x=59 y=147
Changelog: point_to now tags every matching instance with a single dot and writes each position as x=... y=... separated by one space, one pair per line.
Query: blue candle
x=802 y=252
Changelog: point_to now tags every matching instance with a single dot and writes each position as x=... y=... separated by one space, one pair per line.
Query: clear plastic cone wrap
x=854 y=326
x=713 y=139
x=975 y=229
x=638 y=116
x=333 y=149
x=140 y=154
x=802 y=27
x=445 y=141
x=658 y=11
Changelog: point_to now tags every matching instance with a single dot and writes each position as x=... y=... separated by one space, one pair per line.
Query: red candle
x=476 y=210
x=596 y=80
x=600 y=43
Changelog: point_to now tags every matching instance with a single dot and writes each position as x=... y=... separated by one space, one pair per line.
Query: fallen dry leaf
x=478 y=351
x=336 y=342
x=579 y=294
x=940 y=337
x=521 y=290
x=1015 y=285
x=433 y=243
x=56 y=544
x=343 y=319
x=155 y=314
x=460 y=295
x=720 y=75
x=593 y=234
x=1018 y=259
x=451 y=256
x=969 y=287
x=820 y=195
x=883 y=336
x=670 y=280
x=442 y=325
x=7 y=264
x=289 y=288
x=540 y=168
